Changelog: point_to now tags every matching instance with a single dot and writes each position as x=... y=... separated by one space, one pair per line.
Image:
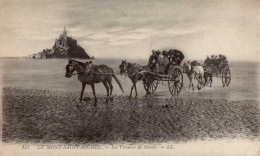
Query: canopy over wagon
x=218 y=67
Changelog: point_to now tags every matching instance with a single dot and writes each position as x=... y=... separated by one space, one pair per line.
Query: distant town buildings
x=46 y=53
x=63 y=47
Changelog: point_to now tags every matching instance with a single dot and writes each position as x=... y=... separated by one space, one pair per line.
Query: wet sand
x=40 y=105
x=32 y=115
x=50 y=75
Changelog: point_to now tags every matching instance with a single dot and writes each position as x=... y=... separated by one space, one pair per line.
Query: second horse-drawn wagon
x=218 y=67
x=168 y=70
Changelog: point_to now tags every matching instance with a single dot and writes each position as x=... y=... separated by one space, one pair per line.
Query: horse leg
x=94 y=93
x=134 y=83
x=190 y=83
x=198 y=85
x=198 y=79
x=202 y=78
x=135 y=90
x=131 y=91
x=111 y=90
x=82 y=91
x=205 y=79
x=107 y=89
x=210 y=80
x=200 y=82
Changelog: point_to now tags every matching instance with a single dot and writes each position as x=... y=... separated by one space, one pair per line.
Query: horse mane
x=131 y=64
x=80 y=63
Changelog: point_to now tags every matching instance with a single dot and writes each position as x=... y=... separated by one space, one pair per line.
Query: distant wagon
x=218 y=67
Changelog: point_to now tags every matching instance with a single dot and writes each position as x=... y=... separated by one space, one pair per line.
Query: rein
x=102 y=73
x=131 y=72
x=94 y=73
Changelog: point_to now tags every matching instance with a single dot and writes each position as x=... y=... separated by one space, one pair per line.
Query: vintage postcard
x=130 y=77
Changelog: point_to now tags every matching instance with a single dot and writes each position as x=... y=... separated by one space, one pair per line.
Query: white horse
x=194 y=72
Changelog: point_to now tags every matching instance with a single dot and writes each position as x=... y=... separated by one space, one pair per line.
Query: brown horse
x=135 y=72
x=207 y=78
x=91 y=74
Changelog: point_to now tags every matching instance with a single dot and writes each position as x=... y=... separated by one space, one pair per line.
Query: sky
x=130 y=29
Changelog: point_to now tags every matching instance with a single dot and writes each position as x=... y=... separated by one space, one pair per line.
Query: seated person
x=194 y=63
x=175 y=57
x=207 y=61
x=224 y=59
x=213 y=60
x=170 y=60
x=179 y=57
x=219 y=61
x=153 y=63
x=163 y=62
x=165 y=54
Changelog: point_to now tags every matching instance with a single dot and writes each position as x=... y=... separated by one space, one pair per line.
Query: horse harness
x=101 y=72
x=132 y=71
x=191 y=71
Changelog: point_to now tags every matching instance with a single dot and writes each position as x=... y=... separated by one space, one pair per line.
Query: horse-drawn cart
x=218 y=68
x=174 y=77
x=166 y=69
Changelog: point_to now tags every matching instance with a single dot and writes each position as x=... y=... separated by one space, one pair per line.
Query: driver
x=154 y=61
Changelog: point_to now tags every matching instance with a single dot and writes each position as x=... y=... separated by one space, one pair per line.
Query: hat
x=158 y=52
x=164 y=52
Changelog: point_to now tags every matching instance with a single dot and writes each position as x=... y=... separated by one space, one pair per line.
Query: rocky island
x=63 y=47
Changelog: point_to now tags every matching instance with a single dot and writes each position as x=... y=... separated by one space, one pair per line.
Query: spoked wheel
x=151 y=83
x=226 y=77
x=175 y=81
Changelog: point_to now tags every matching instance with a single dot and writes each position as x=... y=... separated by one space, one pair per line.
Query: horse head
x=122 y=67
x=74 y=65
x=187 y=67
x=69 y=68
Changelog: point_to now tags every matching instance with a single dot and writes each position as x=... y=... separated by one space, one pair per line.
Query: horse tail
x=118 y=82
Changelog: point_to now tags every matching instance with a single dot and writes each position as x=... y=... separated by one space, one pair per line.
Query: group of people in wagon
x=216 y=60
x=160 y=61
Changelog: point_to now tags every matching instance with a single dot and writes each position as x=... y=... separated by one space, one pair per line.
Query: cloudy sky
x=130 y=28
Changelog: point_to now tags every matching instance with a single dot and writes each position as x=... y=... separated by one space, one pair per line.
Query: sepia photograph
x=130 y=77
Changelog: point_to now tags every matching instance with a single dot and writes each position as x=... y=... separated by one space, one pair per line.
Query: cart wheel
x=226 y=77
x=175 y=81
x=151 y=83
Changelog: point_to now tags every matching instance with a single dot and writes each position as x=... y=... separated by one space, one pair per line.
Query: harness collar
x=129 y=70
